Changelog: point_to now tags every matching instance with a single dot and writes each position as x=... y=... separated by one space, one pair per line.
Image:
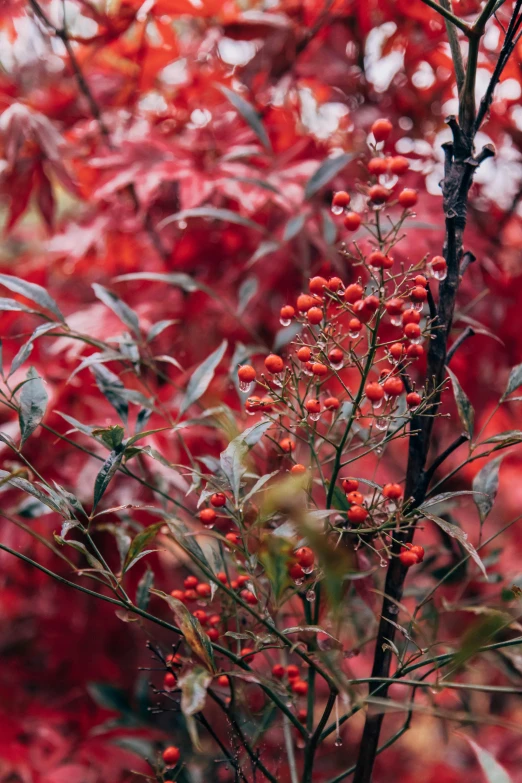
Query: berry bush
x=261 y=358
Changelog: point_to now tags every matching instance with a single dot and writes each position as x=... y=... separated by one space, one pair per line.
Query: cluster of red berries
x=296 y=684
x=302 y=564
x=412 y=554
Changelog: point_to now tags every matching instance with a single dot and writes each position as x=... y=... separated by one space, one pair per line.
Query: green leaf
x=30 y=489
x=191 y=629
x=109 y=697
x=202 y=377
x=139 y=543
x=125 y=313
x=112 y=436
x=112 y=389
x=232 y=464
x=139 y=435
x=211 y=213
x=514 y=381
x=79 y=547
x=247 y=290
x=443 y=497
x=492 y=770
x=143 y=589
x=194 y=685
x=456 y=532
x=294 y=226
x=274 y=554
x=183 y=281
x=264 y=249
x=464 y=407
x=33 y=403
x=159 y=327
x=486 y=483
x=249 y=114
x=33 y=292
x=107 y=471
x=326 y=171
x=11 y=305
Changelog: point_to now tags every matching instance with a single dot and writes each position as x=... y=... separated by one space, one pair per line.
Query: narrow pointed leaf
x=118 y=307
x=249 y=114
x=202 y=377
x=108 y=469
x=464 y=407
x=33 y=402
x=456 y=532
x=326 y=171
x=33 y=292
x=485 y=485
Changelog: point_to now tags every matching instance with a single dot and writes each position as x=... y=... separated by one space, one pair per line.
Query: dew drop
x=285 y=321
x=309 y=569
x=396 y=320
x=314 y=416
x=336 y=365
x=278 y=379
x=440 y=274
x=310 y=595
x=298 y=582
x=416 y=306
x=306 y=370
x=250 y=413
x=378 y=451
x=381 y=423
x=337 y=209
x=376 y=404
x=353 y=335
x=394 y=609
x=383 y=563
x=338 y=742
x=388 y=180
x=245 y=386
x=418 y=340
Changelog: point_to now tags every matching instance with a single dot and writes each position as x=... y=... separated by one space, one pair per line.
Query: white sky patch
x=236 y=52
x=424 y=76
x=322 y=120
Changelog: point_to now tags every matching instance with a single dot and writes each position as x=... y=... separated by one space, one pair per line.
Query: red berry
x=412 y=331
x=418 y=293
x=204 y=590
x=174 y=659
x=378 y=166
x=218 y=499
x=335 y=356
x=222 y=577
x=341 y=199
x=287 y=445
x=249 y=597
x=355 y=497
x=352 y=221
x=278 y=671
x=243 y=579
x=354 y=325
x=169 y=681
x=179 y=595
x=232 y=538
x=438 y=264
x=190 y=582
x=393 y=386
x=414 y=351
x=313 y=406
x=246 y=654
x=246 y=373
x=223 y=681
x=353 y=293
x=357 y=514
x=305 y=556
x=171 y=755
x=253 y=404
x=319 y=369
x=381 y=129
x=332 y=403
x=214 y=619
x=304 y=353
x=274 y=363
x=413 y=399
x=420 y=280
x=394 y=306
x=213 y=634
x=300 y=687
x=396 y=351
x=392 y=491
x=297 y=469
x=379 y=194
x=371 y=303
x=287 y=312
x=296 y=572
x=419 y=551
x=317 y=285
x=189 y=596
x=315 y=315
x=350 y=485
x=408 y=558
x=411 y=316
x=335 y=284
x=292 y=672
x=305 y=302
x=399 y=165
x=302 y=715
x=207 y=516
x=374 y=391
x=379 y=260
x=200 y=615
x=408 y=198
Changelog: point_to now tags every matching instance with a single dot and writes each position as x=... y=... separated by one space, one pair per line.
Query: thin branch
x=428 y=474
x=460 y=23
x=456 y=52
x=468 y=332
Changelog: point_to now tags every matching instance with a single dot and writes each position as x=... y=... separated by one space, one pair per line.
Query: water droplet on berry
x=354 y=335
x=285 y=321
x=249 y=412
x=376 y=404
x=337 y=209
x=381 y=423
x=245 y=386
x=336 y=365
x=395 y=320
x=314 y=416
x=439 y=274
x=417 y=340
x=388 y=180
x=417 y=306
x=338 y=742
x=308 y=569
x=310 y=595
x=298 y=582
x=383 y=563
